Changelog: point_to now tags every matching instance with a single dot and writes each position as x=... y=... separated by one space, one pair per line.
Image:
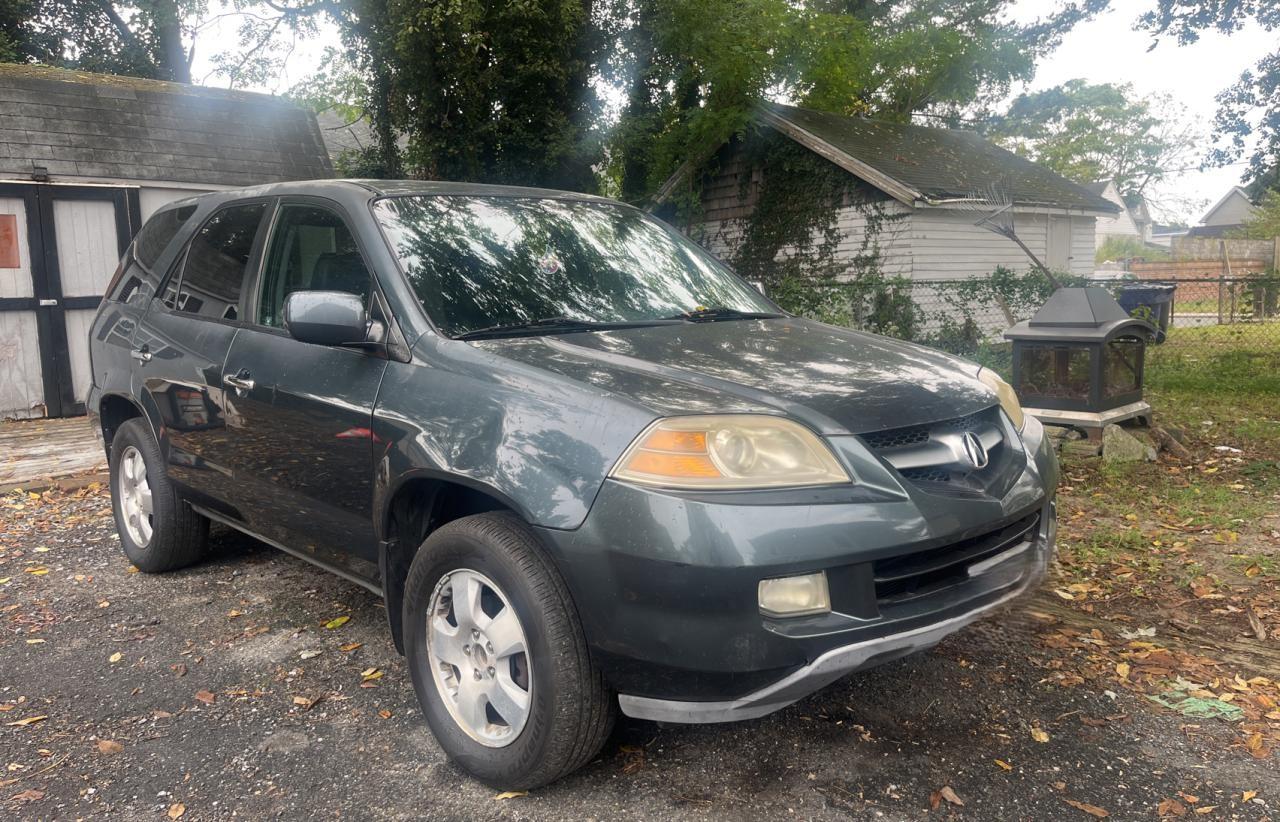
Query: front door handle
x=141 y=354
x=241 y=381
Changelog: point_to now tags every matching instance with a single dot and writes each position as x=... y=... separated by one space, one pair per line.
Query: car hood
x=836 y=380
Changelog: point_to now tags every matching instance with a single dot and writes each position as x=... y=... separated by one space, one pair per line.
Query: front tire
x=498 y=658
x=158 y=531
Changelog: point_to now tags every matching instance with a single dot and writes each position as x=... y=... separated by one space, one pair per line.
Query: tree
x=1248 y=110
x=143 y=38
x=696 y=70
x=1099 y=132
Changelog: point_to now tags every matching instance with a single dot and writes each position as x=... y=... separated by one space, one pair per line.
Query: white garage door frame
x=73 y=233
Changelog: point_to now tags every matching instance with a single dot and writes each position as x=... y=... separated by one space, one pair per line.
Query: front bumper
x=665 y=584
x=838 y=662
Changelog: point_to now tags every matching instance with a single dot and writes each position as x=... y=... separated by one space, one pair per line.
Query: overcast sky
x=1108 y=50
x=1105 y=50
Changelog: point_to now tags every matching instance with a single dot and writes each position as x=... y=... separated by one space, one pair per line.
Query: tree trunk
x=173 y=55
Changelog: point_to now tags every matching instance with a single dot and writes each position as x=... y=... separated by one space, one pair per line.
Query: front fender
x=543 y=446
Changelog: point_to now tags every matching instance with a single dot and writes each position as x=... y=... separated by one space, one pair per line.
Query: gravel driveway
x=219 y=692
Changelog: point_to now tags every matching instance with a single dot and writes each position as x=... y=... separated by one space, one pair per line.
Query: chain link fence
x=1220 y=326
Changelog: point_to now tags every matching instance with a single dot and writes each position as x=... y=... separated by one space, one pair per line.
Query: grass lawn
x=1187 y=552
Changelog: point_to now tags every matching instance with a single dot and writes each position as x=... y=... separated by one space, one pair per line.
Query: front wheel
x=498 y=658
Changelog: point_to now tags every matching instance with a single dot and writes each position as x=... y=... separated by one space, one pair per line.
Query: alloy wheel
x=479 y=657
x=135 y=496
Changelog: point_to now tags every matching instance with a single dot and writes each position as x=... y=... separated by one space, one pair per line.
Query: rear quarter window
x=139 y=264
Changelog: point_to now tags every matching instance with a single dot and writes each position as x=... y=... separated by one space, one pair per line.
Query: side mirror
x=326 y=318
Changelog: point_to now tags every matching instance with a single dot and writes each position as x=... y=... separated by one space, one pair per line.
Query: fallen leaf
x=29 y=795
x=207 y=697
x=1005 y=765
x=1171 y=807
x=31 y=720
x=1207 y=809
x=350 y=646
x=1253 y=570
x=109 y=746
x=1247 y=795
x=1038 y=735
x=946 y=793
x=1092 y=810
x=370 y=674
x=337 y=622
x=176 y=810
x=37 y=570
x=233 y=613
x=303 y=701
x=511 y=794
x=309 y=654
x=1122 y=670
x=384 y=713
x=35 y=641
x=116 y=657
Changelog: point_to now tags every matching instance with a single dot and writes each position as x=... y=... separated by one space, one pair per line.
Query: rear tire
x=158 y=531
x=570 y=710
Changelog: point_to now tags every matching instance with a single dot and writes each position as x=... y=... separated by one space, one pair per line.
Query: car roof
x=386 y=188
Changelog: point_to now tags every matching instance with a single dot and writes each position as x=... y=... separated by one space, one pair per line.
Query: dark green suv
x=587 y=467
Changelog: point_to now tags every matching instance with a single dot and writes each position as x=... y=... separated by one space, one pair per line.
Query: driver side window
x=311 y=250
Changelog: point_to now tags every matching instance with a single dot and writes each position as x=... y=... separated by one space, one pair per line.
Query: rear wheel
x=498 y=658
x=158 y=531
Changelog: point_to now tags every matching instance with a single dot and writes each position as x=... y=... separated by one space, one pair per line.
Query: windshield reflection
x=478 y=262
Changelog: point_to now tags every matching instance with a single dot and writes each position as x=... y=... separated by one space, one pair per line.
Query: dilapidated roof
x=78 y=124
x=921 y=165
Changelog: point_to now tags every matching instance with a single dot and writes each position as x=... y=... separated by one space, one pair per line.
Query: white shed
x=85 y=159
x=916 y=177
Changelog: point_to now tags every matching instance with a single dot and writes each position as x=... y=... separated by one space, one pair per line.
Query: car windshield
x=485 y=263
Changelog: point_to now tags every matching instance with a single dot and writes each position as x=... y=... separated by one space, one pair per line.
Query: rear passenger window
x=218 y=262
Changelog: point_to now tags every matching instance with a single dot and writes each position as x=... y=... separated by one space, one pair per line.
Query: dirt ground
x=236 y=689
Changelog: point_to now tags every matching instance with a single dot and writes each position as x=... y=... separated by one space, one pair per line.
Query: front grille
x=902 y=578
x=931 y=455
x=896 y=437
x=926 y=475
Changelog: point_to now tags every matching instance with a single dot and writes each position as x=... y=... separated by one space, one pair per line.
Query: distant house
x=1228 y=214
x=84 y=160
x=1120 y=224
x=917 y=181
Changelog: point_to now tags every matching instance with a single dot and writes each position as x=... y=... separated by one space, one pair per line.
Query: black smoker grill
x=1079 y=360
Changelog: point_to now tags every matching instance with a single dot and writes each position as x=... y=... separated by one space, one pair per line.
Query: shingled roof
x=93 y=125
x=919 y=165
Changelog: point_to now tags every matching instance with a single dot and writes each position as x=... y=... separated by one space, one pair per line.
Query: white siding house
x=1228 y=214
x=85 y=159
x=1120 y=224
x=914 y=180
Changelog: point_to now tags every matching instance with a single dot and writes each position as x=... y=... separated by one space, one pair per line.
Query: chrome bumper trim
x=837 y=662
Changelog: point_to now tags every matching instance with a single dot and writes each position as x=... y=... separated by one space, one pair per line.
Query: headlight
x=1007 y=396
x=731 y=451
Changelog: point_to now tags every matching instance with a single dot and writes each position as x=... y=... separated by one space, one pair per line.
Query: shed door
x=1058 y=257
x=71 y=239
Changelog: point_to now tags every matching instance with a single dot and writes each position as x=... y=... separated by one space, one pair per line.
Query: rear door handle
x=141 y=354
x=241 y=381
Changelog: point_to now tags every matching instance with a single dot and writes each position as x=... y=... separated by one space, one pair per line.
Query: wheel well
x=418 y=508
x=114 y=411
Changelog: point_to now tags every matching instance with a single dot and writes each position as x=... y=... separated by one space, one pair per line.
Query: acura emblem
x=974 y=451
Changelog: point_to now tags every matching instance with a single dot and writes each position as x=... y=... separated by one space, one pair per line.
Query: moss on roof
x=941 y=163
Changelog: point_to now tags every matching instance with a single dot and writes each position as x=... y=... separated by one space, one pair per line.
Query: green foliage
x=144 y=38
x=1117 y=247
x=695 y=70
x=1248 y=118
x=1098 y=132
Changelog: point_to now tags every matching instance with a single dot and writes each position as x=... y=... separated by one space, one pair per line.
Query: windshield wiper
x=722 y=313
x=554 y=325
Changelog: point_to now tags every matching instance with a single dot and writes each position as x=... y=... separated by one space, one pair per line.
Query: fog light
x=795 y=596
